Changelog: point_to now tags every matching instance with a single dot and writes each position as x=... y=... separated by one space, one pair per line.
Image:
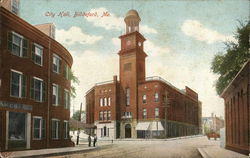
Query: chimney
x=115 y=78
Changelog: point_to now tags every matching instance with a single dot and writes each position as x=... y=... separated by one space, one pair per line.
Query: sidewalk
x=218 y=152
x=54 y=151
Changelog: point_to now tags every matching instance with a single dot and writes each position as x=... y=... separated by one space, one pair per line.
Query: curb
x=64 y=152
x=203 y=153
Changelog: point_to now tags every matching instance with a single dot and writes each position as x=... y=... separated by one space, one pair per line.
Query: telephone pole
x=78 y=132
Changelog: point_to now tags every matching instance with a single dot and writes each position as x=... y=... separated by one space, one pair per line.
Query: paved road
x=182 y=148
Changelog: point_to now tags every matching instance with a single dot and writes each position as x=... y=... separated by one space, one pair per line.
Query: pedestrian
x=89 y=139
x=95 y=140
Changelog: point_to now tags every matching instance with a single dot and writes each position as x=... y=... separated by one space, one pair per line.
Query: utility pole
x=78 y=132
x=166 y=106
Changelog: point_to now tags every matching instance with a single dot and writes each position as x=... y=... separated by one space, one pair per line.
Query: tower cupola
x=132 y=20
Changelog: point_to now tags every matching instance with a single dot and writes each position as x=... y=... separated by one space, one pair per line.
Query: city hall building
x=136 y=106
x=34 y=84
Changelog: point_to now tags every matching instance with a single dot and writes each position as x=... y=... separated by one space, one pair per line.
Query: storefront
x=15 y=126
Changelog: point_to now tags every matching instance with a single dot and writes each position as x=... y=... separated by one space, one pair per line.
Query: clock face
x=128 y=43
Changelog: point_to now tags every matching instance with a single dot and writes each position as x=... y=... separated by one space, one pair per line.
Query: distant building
x=237 y=108
x=34 y=85
x=140 y=107
x=212 y=124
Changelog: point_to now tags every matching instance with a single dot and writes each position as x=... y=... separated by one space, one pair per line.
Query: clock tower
x=132 y=70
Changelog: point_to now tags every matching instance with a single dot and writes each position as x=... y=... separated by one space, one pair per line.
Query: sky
x=182 y=37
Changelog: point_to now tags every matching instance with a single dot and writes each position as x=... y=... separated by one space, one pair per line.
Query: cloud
x=199 y=32
x=116 y=41
x=75 y=35
x=113 y=22
x=154 y=50
x=92 y=67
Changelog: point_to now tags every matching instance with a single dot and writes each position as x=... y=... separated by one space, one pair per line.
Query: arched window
x=101 y=102
x=144 y=99
x=127 y=96
x=105 y=101
x=156 y=97
x=109 y=101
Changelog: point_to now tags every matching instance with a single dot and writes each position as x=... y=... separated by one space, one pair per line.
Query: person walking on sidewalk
x=95 y=140
x=89 y=139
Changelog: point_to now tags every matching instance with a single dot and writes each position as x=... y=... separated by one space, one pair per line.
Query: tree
x=77 y=114
x=74 y=80
x=227 y=65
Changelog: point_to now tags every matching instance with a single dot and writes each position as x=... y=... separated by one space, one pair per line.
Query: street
x=179 y=148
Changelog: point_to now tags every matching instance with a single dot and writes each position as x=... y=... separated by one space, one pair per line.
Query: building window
x=109 y=115
x=37 y=54
x=15 y=7
x=105 y=101
x=66 y=99
x=56 y=94
x=101 y=102
x=144 y=113
x=38 y=89
x=105 y=115
x=55 y=129
x=101 y=115
x=56 y=63
x=17 y=44
x=156 y=97
x=109 y=101
x=38 y=128
x=156 y=112
x=127 y=96
x=66 y=71
x=18 y=84
x=144 y=99
x=66 y=129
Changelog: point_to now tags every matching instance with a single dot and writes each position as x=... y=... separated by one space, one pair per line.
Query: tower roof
x=133 y=14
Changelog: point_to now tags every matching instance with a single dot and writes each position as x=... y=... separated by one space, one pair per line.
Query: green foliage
x=237 y=53
x=74 y=80
x=77 y=114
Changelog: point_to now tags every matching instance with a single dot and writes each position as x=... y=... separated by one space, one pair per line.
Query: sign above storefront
x=4 y=104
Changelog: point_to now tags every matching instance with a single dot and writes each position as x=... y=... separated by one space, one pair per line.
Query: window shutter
x=32 y=88
x=25 y=47
x=33 y=52
x=43 y=128
x=68 y=100
x=59 y=95
x=44 y=91
x=23 y=86
x=64 y=71
x=10 y=41
x=60 y=65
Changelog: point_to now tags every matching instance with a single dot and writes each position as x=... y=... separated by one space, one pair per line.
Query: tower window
x=144 y=113
x=127 y=67
x=127 y=96
x=156 y=112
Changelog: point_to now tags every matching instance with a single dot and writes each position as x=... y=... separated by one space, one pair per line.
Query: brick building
x=140 y=107
x=237 y=108
x=34 y=85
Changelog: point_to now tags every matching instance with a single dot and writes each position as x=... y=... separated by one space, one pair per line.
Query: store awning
x=156 y=126
x=143 y=126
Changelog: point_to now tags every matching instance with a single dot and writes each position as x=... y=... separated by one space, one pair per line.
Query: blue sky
x=182 y=38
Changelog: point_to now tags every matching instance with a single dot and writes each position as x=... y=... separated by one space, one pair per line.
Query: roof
x=238 y=74
x=133 y=13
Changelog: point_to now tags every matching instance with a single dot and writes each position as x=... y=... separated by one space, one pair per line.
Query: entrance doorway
x=17 y=129
x=127 y=131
